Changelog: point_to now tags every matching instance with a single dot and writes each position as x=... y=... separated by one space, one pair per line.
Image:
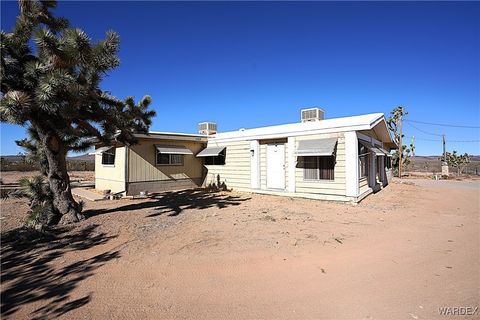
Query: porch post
x=373 y=170
x=292 y=163
x=382 y=170
x=254 y=164
x=351 y=164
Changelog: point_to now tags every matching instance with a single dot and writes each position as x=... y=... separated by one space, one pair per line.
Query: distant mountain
x=19 y=158
x=83 y=157
x=420 y=158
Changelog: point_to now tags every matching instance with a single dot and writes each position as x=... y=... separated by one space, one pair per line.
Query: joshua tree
x=40 y=197
x=456 y=161
x=54 y=91
x=407 y=151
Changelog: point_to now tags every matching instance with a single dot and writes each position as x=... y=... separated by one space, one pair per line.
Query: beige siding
x=336 y=187
x=363 y=185
x=111 y=177
x=236 y=171
x=142 y=166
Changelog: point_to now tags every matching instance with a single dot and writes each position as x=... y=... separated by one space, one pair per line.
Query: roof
x=173 y=136
x=353 y=123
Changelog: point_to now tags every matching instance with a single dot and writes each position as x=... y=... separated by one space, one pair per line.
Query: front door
x=276 y=166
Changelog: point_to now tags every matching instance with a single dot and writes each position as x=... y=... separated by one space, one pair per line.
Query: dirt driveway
x=402 y=253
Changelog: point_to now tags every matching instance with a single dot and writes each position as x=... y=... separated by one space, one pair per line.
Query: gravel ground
x=9 y=177
x=402 y=253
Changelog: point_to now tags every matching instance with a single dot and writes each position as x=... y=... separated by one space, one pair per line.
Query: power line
x=421 y=130
x=463 y=140
x=423 y=139
x=447 y=140
x=444 y=124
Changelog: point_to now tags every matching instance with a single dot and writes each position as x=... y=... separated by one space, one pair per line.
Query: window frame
x=363 y=154
x=222 y=155
x=388 y=162
x=111 y=154
x=318 y=162
x=182 y=158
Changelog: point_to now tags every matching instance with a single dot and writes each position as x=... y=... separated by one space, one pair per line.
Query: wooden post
x=400 y=147
x=444 y=149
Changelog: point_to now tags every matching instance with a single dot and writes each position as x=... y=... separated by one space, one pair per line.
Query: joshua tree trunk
x=58 y=178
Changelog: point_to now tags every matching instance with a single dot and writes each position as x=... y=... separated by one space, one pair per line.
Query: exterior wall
x=111 y=177
x=374 y=182
x=363 y=185
x=337 y=187
x=145 y=175
x=235 y=173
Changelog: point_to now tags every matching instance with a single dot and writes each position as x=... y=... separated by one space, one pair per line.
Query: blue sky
x=251 y=64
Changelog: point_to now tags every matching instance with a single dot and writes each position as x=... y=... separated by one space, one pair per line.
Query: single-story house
x=341 y=159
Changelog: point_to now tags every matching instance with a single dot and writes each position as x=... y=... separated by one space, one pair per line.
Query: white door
x=276 y=166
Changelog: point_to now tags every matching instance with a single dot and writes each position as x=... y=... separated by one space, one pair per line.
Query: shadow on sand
x=175 y=202
x=33 y=269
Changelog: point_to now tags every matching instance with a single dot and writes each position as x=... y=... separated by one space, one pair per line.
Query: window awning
x=210 y=152
x=318 y=147
x=101 y=150
x=378 y=151
x=173 y=149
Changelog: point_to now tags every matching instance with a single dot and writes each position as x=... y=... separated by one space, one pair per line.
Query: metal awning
x=211 y=152
x=318 y=147
x=101 y=150
x=378 y=151
x=173 y=149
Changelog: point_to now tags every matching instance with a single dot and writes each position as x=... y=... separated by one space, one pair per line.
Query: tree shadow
x=33 y=270
x=175 y=202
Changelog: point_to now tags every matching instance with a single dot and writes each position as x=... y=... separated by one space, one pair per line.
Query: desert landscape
x=402 y=253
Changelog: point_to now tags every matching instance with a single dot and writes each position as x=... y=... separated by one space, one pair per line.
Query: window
x=388 y=162
x=318 y=168
x=169 y=159
x=216 y=160
x=363 y=160
x=108 y=156
x=378 y=165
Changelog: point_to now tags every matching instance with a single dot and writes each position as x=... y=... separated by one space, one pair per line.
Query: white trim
x=292 y=163
x=255 y=164
x=351 y=164
x=291 y=134
x=355 y=123
x=172 y=136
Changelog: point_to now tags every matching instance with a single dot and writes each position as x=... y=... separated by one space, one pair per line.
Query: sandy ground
x=9 y=177
x=402 y=253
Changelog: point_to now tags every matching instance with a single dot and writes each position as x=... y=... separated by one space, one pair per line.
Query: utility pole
x=444 y=163
x=400 y=147
x=444 y=149
x=412 y=142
